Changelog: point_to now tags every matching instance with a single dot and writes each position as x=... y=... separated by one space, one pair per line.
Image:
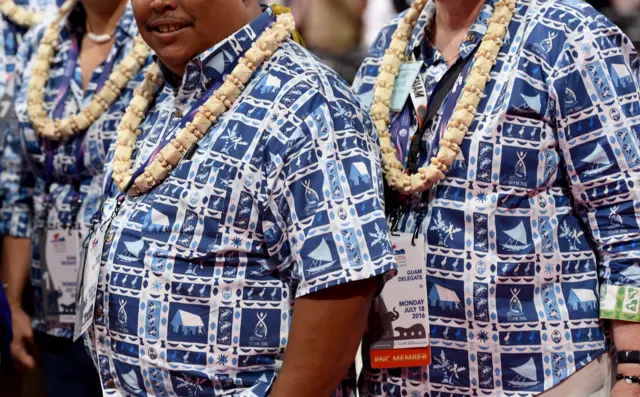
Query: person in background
x=522 y=165
x=75 y=74
x=333 y=30
x=243 y=218
x=15 y=20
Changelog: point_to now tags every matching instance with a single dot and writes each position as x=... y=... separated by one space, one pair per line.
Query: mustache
x=165 y=19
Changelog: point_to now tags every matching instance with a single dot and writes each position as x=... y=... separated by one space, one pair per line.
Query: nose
x=164 y=5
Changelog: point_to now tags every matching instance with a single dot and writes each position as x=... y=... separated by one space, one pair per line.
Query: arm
x=611 y=215
x=16 y=257
x=329 y=324
x=625 y=336
x=16 y=192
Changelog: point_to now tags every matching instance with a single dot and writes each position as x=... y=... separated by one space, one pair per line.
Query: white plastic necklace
x=99 y=38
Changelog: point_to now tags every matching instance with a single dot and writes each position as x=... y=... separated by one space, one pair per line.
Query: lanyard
x=442 y=91
x=165 y=141
x=58 y=111
x=446 y=93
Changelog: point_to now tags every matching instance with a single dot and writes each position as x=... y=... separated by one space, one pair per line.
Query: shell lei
x=465 y=110
x=21 y=16
x=206 y=116
x=62 y=129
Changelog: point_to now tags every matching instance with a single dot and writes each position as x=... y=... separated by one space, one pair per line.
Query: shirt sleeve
x=324 y=219
x=364 y=82
x=16 y=180
x=595 y=87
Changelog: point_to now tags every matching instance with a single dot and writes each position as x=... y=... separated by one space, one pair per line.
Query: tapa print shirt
x=76 y=164
x=538 y=210
x=282 y=199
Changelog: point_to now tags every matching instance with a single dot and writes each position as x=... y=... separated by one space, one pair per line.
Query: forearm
x=16 y=258
x=326 y=330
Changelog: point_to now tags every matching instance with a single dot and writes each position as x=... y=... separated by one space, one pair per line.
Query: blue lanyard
x=58 y=111
x=165 y=141
x=59 y=104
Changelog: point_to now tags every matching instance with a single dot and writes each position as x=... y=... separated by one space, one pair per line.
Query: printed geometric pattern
x=10 y=40
x=282 y=199
x=23 y=179
x=540 y=207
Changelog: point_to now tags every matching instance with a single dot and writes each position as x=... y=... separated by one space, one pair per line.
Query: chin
x=174 y=59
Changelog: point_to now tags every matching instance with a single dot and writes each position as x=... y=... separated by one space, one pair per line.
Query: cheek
x=141 y=11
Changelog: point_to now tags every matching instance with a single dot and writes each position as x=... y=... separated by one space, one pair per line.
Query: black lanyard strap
x=438 y=97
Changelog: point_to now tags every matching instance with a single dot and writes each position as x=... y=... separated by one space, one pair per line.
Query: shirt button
x=177 y=113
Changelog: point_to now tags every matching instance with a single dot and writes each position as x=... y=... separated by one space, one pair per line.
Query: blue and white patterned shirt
x=24 y=160
x=540 y=207
x=10 y=39
x=282 y=199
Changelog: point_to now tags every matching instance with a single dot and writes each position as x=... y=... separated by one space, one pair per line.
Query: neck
x=453 y=16
x=103 y=15
x=452 y=21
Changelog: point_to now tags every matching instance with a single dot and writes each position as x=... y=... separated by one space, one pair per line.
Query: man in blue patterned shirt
x=56 y=185
x=279 y=207
x=539 y=209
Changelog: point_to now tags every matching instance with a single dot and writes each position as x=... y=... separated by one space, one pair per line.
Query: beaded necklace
x=62 y=129
x=465 y=110
x=206 y=117
x=21 y=16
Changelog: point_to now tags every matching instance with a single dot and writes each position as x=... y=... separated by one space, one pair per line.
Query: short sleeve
x=324 y=218
x=601 y=153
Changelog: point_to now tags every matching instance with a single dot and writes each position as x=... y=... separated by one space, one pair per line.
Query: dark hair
x=400 y=5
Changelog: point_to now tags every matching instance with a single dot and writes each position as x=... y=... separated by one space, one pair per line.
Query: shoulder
x=309 y=99
x=303 y=75
x=383 y=39
x=569 y=25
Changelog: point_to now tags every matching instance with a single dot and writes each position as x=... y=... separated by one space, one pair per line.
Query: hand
x=22 y=345
x=623 y=389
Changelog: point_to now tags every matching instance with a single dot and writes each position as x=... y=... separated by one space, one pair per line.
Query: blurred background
x=340 y=31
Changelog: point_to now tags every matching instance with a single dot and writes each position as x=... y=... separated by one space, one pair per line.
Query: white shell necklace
x=97 y=38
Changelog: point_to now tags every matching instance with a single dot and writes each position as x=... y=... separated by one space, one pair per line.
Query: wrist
x=629 y=369
x=14 y=303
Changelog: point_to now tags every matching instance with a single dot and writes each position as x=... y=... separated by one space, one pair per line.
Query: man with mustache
x=243 y=215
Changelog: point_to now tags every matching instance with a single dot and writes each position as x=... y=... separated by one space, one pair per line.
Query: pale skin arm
x=626 y=337
x=326 y=330
x=16 y=258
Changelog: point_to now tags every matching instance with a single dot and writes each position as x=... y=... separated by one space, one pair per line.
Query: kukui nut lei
x=207 y=115
x=62 y=129
x=465 y=110
x=19 y=15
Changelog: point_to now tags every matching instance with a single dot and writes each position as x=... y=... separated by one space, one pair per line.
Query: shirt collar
x=218 y=61
x=420 y=36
